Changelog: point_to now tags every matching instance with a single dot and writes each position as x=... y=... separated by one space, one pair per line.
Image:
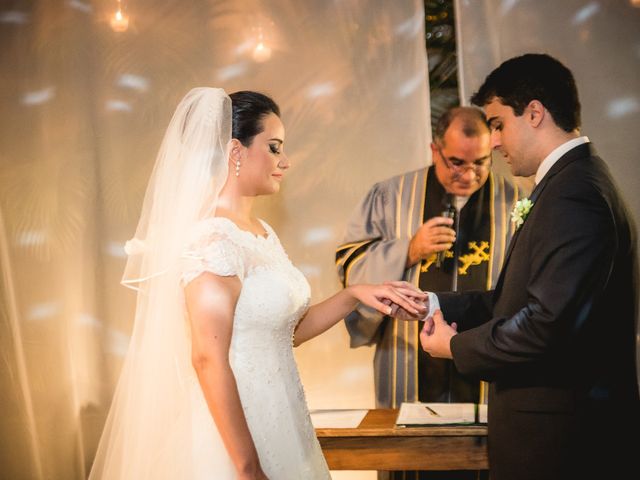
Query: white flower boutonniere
x=520 y=211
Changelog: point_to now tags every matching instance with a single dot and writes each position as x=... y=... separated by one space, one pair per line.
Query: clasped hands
x=435 y=336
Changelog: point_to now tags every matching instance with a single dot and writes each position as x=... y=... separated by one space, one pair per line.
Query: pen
x=432 y=411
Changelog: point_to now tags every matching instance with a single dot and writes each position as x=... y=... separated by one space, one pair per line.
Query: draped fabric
x=83 y=111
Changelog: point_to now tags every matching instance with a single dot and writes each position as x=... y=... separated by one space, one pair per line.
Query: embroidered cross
x=432 y=259
x=477 y=255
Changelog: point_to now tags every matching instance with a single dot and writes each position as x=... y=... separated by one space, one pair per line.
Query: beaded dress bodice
x=274 y=297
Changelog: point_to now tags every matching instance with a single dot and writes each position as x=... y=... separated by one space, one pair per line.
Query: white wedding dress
x=274 y=296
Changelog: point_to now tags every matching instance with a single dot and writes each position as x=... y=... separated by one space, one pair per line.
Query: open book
x=414 y=414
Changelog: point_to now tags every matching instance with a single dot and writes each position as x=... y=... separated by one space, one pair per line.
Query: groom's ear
x=535 y=113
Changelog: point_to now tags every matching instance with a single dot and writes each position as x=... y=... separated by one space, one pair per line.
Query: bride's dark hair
x=249 y=108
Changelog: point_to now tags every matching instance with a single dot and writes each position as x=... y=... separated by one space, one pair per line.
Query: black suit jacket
x=556 y=339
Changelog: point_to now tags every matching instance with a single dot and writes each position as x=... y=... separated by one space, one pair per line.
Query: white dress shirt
x=555 y=155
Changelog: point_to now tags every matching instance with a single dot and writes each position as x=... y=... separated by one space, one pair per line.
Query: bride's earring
x=237 y=168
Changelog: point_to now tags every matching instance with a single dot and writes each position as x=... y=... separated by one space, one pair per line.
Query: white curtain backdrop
x=599 y=40
x=83 y=110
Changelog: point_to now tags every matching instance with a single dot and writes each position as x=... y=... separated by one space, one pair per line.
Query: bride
x=209 y=388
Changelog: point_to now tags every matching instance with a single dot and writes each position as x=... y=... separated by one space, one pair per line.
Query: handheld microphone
x=449 y=211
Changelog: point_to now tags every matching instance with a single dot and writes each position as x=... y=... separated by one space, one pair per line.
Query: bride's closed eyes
x=274 y=148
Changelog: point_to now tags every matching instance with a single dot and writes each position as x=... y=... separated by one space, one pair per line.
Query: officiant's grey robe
x=375 y=249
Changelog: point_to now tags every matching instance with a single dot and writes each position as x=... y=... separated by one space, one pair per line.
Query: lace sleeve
x=211 y=251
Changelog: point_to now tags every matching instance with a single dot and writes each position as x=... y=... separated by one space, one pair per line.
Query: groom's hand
x=436 y=335
x=415 y=294
x=401 y=314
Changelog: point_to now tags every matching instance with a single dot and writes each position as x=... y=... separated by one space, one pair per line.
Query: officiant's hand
x=436 y=335
x=433 y=236
x=412 y=292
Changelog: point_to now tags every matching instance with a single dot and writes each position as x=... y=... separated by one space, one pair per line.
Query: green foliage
x=440 y=40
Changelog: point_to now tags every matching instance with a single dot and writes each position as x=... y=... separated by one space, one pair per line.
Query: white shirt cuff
x=434 y=304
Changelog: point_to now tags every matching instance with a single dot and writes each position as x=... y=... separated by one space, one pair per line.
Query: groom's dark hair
x=534 y=76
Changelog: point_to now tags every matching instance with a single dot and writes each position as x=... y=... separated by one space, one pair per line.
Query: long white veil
x=148 y=432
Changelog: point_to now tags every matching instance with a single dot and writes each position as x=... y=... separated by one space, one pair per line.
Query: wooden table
x=377 y=444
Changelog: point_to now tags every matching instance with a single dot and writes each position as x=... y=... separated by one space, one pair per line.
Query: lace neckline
x=234 y=225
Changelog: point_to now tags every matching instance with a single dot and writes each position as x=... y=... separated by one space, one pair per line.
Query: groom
x=556 y=338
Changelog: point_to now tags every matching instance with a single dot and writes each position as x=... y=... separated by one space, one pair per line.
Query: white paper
x=337 y=418
x=436 y=413
x=482 y=413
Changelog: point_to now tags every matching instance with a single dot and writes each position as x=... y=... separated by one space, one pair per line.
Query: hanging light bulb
x=262 y=51
x=119 y=21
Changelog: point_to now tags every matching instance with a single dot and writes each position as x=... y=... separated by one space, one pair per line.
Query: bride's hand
x=392 y=296
x=413 y=293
